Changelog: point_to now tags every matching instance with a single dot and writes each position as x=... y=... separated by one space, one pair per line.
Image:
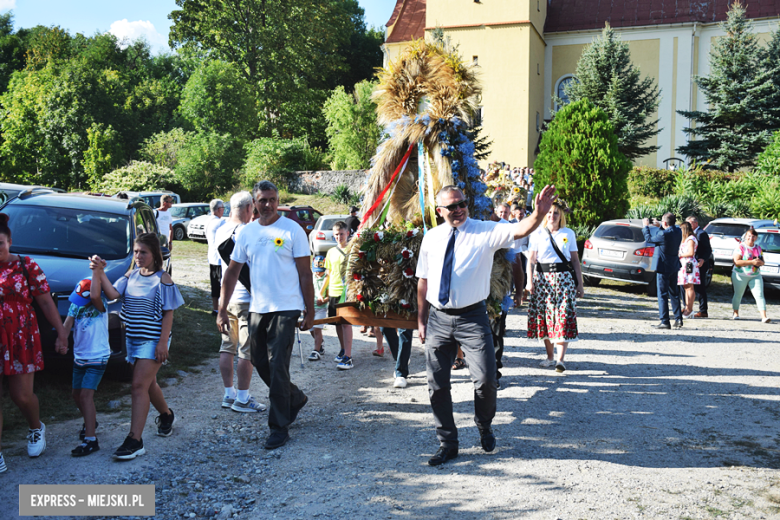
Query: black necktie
x=446 y=271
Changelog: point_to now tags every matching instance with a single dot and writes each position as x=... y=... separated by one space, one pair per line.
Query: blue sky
x=129 y=18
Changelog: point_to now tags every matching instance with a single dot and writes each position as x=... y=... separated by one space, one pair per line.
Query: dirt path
x=643 y=424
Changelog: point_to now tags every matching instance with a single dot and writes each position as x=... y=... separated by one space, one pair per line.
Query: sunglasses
x=456 y=205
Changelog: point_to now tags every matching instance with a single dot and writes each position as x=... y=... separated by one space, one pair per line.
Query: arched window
x=559 y=89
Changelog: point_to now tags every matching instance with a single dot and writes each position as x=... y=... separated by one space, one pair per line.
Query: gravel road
x=643 y=424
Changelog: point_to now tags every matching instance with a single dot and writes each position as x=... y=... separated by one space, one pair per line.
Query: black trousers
x=472 y=332
x=271 y=339
x=498 y=328
x=701 y=289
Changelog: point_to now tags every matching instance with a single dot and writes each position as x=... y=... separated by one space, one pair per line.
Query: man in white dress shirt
x=454 y=266
x=215 y=262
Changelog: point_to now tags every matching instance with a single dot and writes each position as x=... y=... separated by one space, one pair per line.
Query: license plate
x=723 y=252
x=770 y=269
x=610 y=253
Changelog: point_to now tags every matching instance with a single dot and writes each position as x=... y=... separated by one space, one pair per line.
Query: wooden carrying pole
x=348 y=313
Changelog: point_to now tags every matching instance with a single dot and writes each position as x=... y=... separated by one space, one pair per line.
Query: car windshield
x=729 y=230
x=76 y=233
x=179 y=212
x=619 y=233
x=326 y=224
x=769 y=242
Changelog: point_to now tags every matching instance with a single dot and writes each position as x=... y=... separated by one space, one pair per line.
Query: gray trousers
x=472 y=332
x=271 y=338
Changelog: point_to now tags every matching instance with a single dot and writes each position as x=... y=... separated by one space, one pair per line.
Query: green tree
x=209 y=164
x=740 y=93
x=163 y=148
x=278 y=159
x=361 y=52
x=579 y=154
x=286 y=49
x=606 y=76
x=353 y=132
x=138 y=176
x=768 y=162
x=218 y=98
x=12 y=50
x=103 y=153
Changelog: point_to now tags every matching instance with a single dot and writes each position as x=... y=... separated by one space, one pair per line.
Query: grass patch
x=715 y=512
x=195 y=340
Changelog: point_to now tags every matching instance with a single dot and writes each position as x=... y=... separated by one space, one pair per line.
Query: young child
x=334 y=265
x=320 y=306
x=149 y=298
x=90 y=355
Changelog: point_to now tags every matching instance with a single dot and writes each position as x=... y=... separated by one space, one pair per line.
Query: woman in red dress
x=21 y=280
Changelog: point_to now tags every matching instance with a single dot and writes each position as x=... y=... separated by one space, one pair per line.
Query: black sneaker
x=83 y=430
x=295 y=409
x=277 y=439
x=165 y=424
x=678 y=324
x=130 y=449
x=85 y=448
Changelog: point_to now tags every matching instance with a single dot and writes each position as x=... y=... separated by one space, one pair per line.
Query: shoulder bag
x=225 y=249
x=566 y=263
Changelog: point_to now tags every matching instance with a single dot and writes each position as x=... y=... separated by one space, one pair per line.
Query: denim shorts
x=87 y=373
x=141 y=348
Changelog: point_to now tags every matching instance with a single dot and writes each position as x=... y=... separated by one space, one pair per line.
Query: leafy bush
x=163 y=147
x=342 y=194
x=579 y=154
x=651 y=182
x=353 y=131
x=138 y=176
x=208 y=164
x=766 y=202
x=768 y=162
x=681 y=206
x=277 y=160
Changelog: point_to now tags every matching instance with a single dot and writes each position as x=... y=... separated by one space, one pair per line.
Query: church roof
x=583 y=15
x=407 y=21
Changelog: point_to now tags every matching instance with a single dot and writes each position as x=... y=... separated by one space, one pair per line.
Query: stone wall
x=327 y=181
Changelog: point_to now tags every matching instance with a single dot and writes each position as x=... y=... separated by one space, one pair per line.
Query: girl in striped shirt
x=149 y=298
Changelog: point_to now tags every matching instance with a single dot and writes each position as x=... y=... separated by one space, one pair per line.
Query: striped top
x=144 y=298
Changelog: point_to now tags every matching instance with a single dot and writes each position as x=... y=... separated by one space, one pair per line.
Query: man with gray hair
x=236 y=340
x=217 y=208
x=277 y=250
x=453 y=268
x=668 y=245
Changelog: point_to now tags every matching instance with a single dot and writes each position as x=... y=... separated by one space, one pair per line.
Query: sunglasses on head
x=456 y=205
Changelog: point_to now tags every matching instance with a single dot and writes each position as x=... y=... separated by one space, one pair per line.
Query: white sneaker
x=3 y=467
x=315 y=355
x=227 y=402
x=400 y=382
x=547 y=363
x=735 y=316
x=36 y=441
x=250 y=406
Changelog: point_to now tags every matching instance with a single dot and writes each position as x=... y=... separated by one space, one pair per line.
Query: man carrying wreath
x=454 y=266
x=278 y=255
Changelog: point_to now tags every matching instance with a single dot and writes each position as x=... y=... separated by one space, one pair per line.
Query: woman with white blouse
x=554 y=283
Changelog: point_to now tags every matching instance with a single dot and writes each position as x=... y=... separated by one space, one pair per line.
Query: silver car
x=769 y=241
x=182 y=215
x=725 y=234
x=321 y=237
x=618 y=251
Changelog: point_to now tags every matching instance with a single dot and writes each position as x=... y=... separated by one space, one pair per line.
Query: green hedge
x=650 y=182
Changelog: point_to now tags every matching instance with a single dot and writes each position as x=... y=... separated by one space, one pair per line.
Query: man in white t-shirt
x=277 y=250
x=453 y=268
x=236 y=341
x=164 y=219
x=215 y=262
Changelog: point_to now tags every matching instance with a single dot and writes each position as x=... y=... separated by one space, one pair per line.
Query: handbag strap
x=558 y=251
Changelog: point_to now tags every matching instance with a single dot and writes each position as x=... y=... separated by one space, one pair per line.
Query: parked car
x=321 y=237
x=618 y=251
x=769 y=241
x=9 y=191
x=152 y=198
x=182 y=215
x=726 y=233
x=196 y=228
x=306 y=216
x=60 y=231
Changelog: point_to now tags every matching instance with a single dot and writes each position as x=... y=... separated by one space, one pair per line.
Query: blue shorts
x=141 y=348
x=87 y=373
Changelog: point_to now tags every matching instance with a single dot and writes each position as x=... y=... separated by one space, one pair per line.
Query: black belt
x=462 y=310
x=554 y=268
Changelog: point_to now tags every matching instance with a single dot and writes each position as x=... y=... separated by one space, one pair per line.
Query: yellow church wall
x=392 y=51
x=564 y=61
x=536 y=91
x=645 y=55
x=446 y=13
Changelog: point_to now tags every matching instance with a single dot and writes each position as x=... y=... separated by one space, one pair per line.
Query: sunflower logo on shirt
x=278 y=242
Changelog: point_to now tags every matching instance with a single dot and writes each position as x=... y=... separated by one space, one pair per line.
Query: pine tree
x=771 y=62
x=741 y=100
x=606 y=76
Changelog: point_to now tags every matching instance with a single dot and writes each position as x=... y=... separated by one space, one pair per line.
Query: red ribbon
x=384 y=191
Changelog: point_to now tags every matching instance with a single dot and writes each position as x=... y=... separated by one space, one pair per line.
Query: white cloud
x=127 y=32
x=5 y=5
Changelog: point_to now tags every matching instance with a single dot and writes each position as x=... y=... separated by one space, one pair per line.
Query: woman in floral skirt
x=21 y=281
x=688 y=276
x=554 y=284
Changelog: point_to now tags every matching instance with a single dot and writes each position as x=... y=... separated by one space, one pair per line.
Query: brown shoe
x=701 y=315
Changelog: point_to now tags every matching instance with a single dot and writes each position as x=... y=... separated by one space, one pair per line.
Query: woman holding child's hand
x=149 y=298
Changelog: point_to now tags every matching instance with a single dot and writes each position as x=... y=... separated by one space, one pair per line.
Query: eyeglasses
x=456 y=205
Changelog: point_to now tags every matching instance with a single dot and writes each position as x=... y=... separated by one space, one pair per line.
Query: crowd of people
x=265 y=285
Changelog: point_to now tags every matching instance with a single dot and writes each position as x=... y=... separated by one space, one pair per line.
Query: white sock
x=243 y=396
x=90 y=439
x=230 y=392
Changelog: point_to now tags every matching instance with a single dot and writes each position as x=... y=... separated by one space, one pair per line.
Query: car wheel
x=179 y=233
x=591 y=281
x=652 y=288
